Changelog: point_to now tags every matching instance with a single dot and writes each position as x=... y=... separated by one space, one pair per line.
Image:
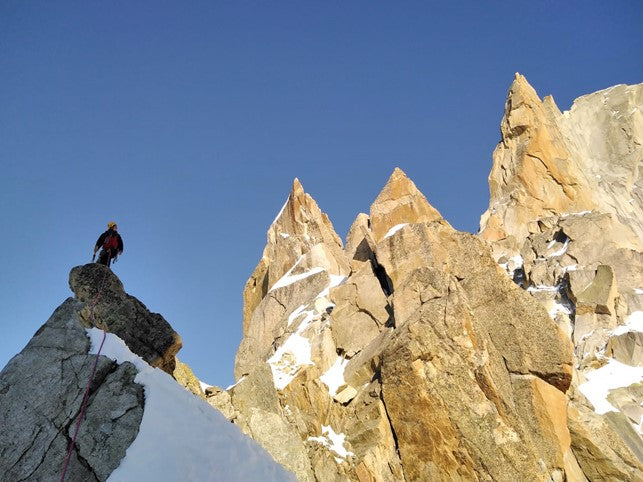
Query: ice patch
x=334 y=442
x=394 y=230
x=634 y=322
x=609 y=377
x=334 y=376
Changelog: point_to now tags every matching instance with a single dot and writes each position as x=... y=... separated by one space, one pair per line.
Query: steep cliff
x=422 y=353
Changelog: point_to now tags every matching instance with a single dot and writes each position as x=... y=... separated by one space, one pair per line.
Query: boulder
x=107 y=306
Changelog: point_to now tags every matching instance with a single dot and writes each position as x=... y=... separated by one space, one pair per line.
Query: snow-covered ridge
x=181 y=437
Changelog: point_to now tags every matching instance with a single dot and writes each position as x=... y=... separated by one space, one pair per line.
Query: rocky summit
x=43 y=387
x=413 y=352
x=417 y=352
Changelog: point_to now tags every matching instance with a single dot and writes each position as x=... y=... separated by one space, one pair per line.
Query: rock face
x=423 y=353
x=42 y=389
x=410 y=355
x=565 y=221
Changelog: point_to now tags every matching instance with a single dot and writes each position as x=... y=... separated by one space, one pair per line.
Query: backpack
x=111 y=242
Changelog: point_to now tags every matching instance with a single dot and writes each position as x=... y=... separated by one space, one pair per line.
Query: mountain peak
x=400 y=201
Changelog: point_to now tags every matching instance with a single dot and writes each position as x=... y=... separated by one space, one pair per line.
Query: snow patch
x=394 y=230
x=204 y=385
x=609 y=377
x=288 y=279
x=181 y=437
x=543 y=288
x=284 y=235
x=288 y=360
x=333 y=378
x=638 y=291
x=634 y=322
x=280 y=211
x=514 y=263
x=559 y=308
x=294 y=354
x=334 y=442
x=561 y=251
x=236 y=383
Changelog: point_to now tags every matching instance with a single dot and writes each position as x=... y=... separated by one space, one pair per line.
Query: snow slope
x=181 y=437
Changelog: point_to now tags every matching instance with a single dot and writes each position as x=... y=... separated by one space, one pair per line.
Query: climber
x=112 y=245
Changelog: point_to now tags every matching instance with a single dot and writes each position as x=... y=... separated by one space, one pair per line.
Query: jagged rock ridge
x=411 y=355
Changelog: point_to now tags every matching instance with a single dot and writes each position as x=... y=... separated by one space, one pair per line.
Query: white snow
x=570 y=267
x=204 y=385
x=335 y=280
x=559 y=308
x=284 y=235
x=394 y=230
x=281 y=211
x=561 y=251
x=236 y=383
x=611 y=376
x=181 y=437
x=333 y=378
x=540 y=288
x=514 y=263
x=295 y=353
x=289 y=279
x=638 y=291
x=293 y=316
x=288 y=360
x=634 y=322
x=334 y=442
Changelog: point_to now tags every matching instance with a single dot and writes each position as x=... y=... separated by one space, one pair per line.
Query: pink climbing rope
x=91 y=377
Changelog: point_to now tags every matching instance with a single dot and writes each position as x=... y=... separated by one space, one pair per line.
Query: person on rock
x=112 y=245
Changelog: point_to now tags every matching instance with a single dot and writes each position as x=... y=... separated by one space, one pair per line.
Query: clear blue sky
x=186 y=122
